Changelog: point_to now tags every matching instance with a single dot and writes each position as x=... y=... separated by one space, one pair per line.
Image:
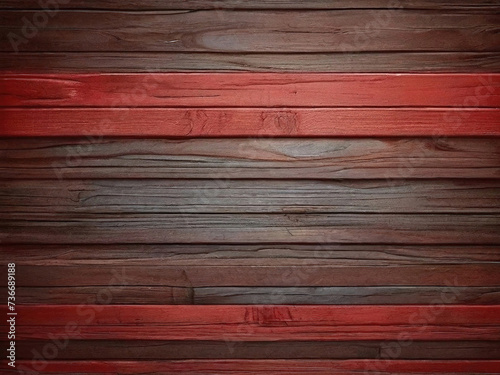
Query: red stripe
x=250 y=90
x=260 y=323
x=249 y=122
x=246 y=367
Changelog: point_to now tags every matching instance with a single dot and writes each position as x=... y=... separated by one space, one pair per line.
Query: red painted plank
x=268 y=367
x=251 y=122
x=260 y=323
x=250 y=90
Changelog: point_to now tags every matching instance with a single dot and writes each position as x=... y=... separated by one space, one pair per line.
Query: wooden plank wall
x=251 y=187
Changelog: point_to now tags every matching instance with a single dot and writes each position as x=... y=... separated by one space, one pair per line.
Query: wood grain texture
x=261 y=323
x=256 y=4
x=216 y=273
x=250 y=90
x=248 y=122
x=259 y=31
x=197 y=251
x=251 y=228
x=256 y=196
x=259 y=158
x=168 y=350
x=164 y=295
x=240 y=255
x=228 y=275
x=268 y=367
x=339 y=295
x=369 y=62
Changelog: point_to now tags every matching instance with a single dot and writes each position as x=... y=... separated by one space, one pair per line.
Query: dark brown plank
x=163 y=295
x=126 y=295
x=256 y=196
x=113 y=277
x=162 y=350
x=292 y=266
x=246 y=255
x=267 y=367
x=255 y=4
x=250 y=90
x=333 y=295
x=222 y=159
x=467 y=229
x=257 y=31
x=369 y=62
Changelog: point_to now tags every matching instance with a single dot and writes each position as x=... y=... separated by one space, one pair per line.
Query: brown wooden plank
x=210 y=272
x=228 y=275
x=163 y=295
x=257 y=31
x=250 y=90
x=332 y=295
x=165 y=350
x=255 y=4
x=249 y=122
x=256 y=196
x=368 y=62
x=126 y=295
x=268 y=367
x=222 y=159
x=471 y=229
x=246 y=255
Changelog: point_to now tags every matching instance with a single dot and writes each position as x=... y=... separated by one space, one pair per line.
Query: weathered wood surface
x=259 y=31
x=168 y=350
x=256 y=196
x=256 y=4
x=100 y=228
x=268 y=367
x=228 y=275
x=237 y=254
x=145 y=62
x=165 y=295
x=249 y=122
x=221 y=159
x=250 y=90
x=234 y=274
x=260 y=322
x=471 y=229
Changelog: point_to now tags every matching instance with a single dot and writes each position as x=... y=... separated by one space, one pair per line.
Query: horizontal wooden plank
x=147 y=295
x=249 y=122
x=260 y=322
x=246 y=255
x=250 y=90
x=222 y=159
x=368 y=62
x=256 y=196
x=257 y=31
x=272 y=275
x=168 y=350
x=331 y=295
x=471 y=229
x=218 y=269
x=164 y=295
x=268 y=367
x=255 y=4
